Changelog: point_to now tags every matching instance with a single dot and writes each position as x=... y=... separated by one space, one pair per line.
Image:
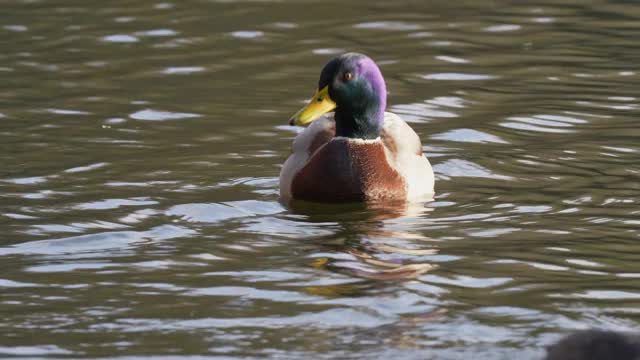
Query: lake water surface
x=140 y=146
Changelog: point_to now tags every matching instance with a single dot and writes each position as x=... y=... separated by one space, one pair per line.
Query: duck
x=595 y=344
x=352 y=149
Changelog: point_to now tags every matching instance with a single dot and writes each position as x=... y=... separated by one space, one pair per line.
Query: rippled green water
x=141 y=142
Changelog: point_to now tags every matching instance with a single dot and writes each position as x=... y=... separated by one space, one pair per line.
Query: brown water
x=141 y=142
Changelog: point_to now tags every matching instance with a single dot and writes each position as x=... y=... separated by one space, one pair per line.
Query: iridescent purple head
x=357 y=87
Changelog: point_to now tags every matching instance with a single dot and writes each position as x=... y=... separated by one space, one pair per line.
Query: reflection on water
x=363 y=247
x=141 y=145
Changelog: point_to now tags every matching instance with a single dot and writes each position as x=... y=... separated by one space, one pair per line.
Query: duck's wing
x=398 y=137
x=318 y=133
x=404 y=152
x=304 y=145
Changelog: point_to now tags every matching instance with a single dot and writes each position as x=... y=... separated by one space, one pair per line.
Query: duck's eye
x=347 y=76
x=319 y=99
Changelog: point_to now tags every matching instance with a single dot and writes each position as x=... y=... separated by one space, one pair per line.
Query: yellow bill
x=319 y=104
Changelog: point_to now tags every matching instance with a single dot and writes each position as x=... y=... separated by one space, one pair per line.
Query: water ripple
x=156 y=115
x=120 y=38
x=457 y=77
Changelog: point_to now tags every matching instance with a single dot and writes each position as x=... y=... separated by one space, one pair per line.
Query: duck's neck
x=359 y=124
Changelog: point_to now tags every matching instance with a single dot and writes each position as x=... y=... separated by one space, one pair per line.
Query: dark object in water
x=596 y=345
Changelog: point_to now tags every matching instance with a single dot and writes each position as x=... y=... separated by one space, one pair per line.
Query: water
x=141 y=142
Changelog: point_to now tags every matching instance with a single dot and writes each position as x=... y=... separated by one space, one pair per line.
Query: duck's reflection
x=373 y=245
x=366 y=244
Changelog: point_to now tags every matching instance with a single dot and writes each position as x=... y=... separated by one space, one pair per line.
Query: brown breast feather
x=348 y=171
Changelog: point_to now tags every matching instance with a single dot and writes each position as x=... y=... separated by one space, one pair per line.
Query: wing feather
x=304 y=145
x=404 y=151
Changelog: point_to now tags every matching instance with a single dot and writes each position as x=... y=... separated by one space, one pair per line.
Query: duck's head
x=353 y=86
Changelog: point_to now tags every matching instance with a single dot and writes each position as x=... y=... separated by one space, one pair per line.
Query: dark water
x=141 y=142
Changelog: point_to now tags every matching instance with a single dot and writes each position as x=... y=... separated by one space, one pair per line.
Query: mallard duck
x=596 y=345
x=361 y=153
